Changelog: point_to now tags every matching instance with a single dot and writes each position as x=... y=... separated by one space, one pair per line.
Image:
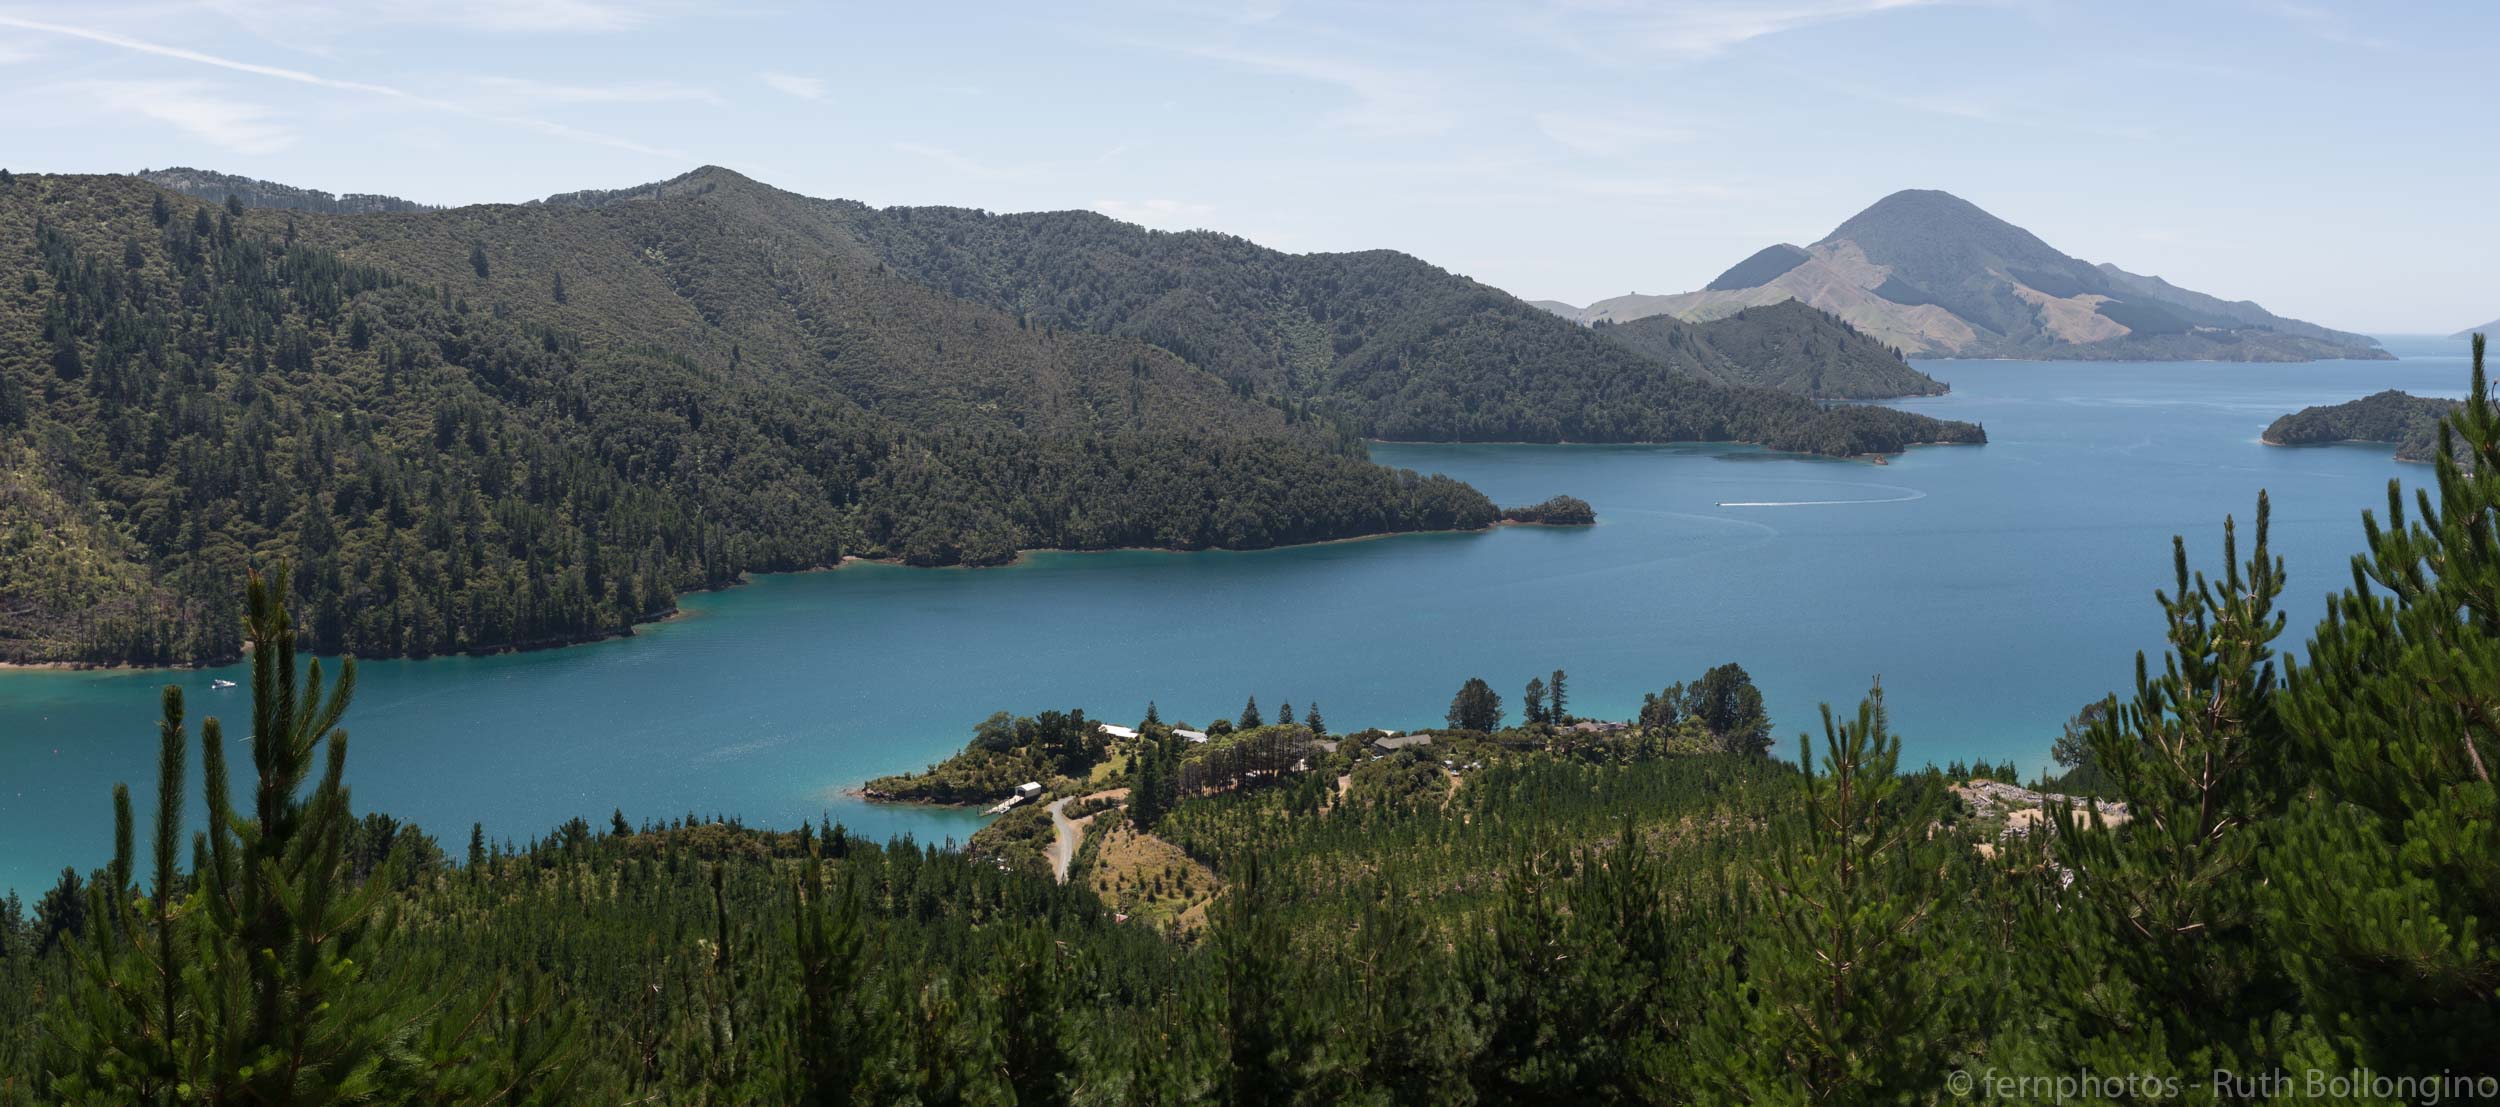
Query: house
x=1394 y=743
x=1192 y=735
x=1125 y=733
x=1029 y=789
x=1594 y=726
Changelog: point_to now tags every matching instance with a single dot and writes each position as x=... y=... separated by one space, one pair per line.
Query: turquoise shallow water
x=1993 y=588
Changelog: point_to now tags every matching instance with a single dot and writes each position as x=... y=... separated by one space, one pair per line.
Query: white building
x=1192 y=735
x=1029 y=789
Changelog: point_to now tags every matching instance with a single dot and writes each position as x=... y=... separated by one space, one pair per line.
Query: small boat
x=221 y=684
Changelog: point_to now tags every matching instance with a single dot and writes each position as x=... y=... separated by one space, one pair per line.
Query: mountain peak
x=1928 y=272
x=696 y=181
x=1925 y=228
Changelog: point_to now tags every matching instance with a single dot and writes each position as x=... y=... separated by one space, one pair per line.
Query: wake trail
x=1907 y=495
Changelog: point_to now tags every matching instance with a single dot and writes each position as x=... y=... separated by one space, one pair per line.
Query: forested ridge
x=513 y=426
x=2296 y=906
x=1788 y=345
x=1404 y=349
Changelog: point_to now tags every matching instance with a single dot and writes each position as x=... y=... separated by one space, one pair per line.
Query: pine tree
x=1152 y=718
x=834 y=1031
x=284 y=997
x=125 y=1037
x=557 y=288
x=1532 y=701
x=1250 y=715
x=1311 y=719
x=1558 y=711
x=1840 y=997
x=2153 y=955
x=477 y=258
x=1264 y=1033
x=2385 y=878
x=1284 y=715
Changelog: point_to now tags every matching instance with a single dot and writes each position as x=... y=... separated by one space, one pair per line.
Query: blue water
x=1995 y=589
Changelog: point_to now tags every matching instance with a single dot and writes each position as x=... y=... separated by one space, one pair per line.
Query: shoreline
x=861 y=793
x=673 y=614
x=2395 y=448
x=680 y=612
x=1024 y=556
x=1868 y=458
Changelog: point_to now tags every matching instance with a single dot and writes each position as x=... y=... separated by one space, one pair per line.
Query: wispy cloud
x=325 y=17
x=2323 y=24
x=1695 y=29
x=805 y=88
x=1386 y=101
x=1929 y=101
x=1591 y=133
x=525 y=90
x=298 y=76
x=201 y=110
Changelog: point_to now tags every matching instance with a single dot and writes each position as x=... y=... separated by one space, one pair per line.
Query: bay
x=1993 y=589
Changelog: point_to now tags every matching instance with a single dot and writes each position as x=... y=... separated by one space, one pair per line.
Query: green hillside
x=1403 y=349
x=507 y=426
x=1787 y=346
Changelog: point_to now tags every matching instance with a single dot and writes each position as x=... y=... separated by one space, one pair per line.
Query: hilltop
x=1788 y=346
x=214 y=187
x=1933 y=275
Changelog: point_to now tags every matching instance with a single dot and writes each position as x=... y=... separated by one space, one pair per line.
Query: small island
x=1561 y=511
x=2409 y=422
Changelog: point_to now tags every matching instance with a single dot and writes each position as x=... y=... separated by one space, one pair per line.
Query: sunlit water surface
x=1994 y=589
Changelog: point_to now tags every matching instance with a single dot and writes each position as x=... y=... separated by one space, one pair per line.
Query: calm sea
x=1993 y=589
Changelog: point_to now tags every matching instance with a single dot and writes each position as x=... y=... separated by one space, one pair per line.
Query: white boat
x=221 y=684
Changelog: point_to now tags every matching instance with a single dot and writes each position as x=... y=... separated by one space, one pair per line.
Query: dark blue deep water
x=1994 y=589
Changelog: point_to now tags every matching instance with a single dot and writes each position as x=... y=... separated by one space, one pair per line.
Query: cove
x=1994 y=589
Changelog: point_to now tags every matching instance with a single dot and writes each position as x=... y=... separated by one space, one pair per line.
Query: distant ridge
x=1935 y=275
x=254 y=193
x=1788 y=346
x=2492 y=327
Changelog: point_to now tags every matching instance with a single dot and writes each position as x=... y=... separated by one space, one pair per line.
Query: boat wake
x=1906 y=495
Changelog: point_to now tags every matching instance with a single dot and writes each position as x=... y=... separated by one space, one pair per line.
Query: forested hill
x=2408 y=421
x=503 y=426
x=1788 y=346
x=1408 y=351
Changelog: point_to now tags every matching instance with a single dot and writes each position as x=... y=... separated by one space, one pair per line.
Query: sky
x=2334 y=162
